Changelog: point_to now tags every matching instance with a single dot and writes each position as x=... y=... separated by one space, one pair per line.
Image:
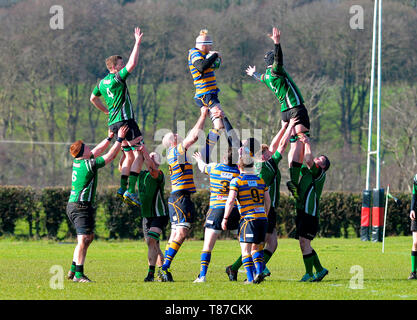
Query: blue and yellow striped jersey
x=220 y=177
x=250 y=195
x=206 y=82
x=181 y=171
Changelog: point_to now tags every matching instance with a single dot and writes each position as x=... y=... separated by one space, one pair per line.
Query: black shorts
x=132 y=134
x=209 y=100
x=181 y=209
x=299 y=112
x=272 y=220
x=154 y=222
x=307 y=225
x=82 y=216
x=215 y=216
x=252 y=230
x=413 y=226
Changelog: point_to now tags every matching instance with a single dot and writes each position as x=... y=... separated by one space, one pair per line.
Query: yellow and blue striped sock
x=258 y=260
x=205 y=261
x=248 y=265
x=170 y=254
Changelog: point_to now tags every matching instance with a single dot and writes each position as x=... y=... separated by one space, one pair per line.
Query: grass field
x=120 y=267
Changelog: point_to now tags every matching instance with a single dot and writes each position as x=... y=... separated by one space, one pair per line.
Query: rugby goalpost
x=372 y=222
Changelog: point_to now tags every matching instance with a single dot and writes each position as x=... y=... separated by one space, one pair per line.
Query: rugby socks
x=133 y=177
x=248 y=265
x=316 y=262
x=258 y=260
x=267 y=255
x=238 y=263
x=151 y=270
x=308 y=262
x=413 y=261
x=79 y=271
x=212 y=138
x=123 y=182
x=295 y=169
x=166 y=250
x=73 y=266
x=205 y=261
x=172 y=251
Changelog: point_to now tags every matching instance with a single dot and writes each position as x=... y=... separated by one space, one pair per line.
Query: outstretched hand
x=138 y=35
x=276 y=35
x=197 y=156
x=123 y=131
x=250 y=71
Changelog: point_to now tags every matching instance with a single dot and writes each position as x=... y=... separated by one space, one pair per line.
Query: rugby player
x=220 y=175
x=120 y=111
x=181 y=208
x=81 y=204
x=206 y=93
x=289 y=96
x=313 y=177
x=267 y=168
x=413 y=274
x=252 y=196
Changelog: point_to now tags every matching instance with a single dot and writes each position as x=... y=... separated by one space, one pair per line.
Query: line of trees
x=47 y=77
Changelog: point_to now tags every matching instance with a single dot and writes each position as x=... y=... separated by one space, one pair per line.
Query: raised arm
x=251 y=72
x=99 y=149
x=200 y=162
x=308 y=155
x=192 y=136
x=134 y=56
x=283 y=143
x=153 y=170
x=230 y=203
x=109 y=156
x=276 y=140
x=278 y=57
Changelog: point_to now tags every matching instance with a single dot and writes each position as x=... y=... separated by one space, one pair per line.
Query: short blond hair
x=111 y=61
x=167 y=139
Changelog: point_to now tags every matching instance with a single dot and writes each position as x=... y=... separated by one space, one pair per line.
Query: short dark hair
x=326 y=163
x=269 y=58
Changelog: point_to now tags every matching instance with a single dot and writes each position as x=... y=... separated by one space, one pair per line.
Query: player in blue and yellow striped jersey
x=220 y=176
x=200 y=63
x=253 y=201
x=181 y=208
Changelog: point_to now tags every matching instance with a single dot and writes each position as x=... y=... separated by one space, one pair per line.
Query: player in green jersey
x=266 y=167
x=413 y=274
x=154 y=211
x=313 y=177
x=80 y=207
x=120 y=111
x=289 y=96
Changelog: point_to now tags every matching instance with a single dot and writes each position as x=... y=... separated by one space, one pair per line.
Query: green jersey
x=84 y=179
x=151 y=194
x=114 y=90
x=310 y=188
x=269 y=171
x=281 y=84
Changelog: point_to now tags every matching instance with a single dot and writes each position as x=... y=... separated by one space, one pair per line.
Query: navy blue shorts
x=209 y=100
x=215 y=216
x=252 y=230
x=181 y=209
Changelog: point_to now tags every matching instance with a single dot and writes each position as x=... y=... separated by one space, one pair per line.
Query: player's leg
x=84 y=241
x=247 y=261
x=257 y=253
x=413 y=274
x=210 y=237
x=134 y=139
x=271 y=239
x=181 y=233
x=233 y=227
x=125 y=168
x=308 y=258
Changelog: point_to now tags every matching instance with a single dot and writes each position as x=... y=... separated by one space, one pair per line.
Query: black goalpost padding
x=378 y=214
x=366 y=214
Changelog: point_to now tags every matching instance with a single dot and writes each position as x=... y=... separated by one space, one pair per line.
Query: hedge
x=45 y=210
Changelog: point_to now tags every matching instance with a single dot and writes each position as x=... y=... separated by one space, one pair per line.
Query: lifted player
x=311 y=186
x=81 y=204
x=200 y=63
x=292 y=104
x=120 y=110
